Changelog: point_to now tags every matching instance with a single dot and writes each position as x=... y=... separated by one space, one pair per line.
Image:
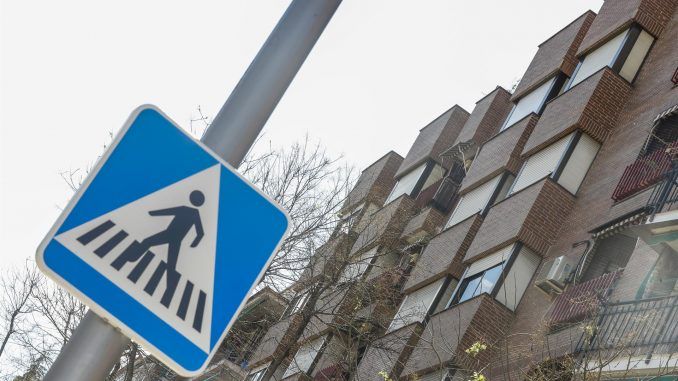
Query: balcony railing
x=581 y=301
x=646 y=323
x=446 y=194
x=426 y=195
x=665 y=194
x=645 y=171
x=334 y=372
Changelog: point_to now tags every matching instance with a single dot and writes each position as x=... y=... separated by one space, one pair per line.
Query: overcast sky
x=72 y=71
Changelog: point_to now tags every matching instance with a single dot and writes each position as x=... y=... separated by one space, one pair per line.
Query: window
x=518 y=278
x=406 y=184
x=567 y=161
x=483 y=282
x=474 y=201
x=257 y=374
x=515 y=262
x=349 y=220
x=535 y=100
x=624 y=54
x=357 y=266
x=663 y=135
x=416 y=180
x=305 y=356
x=416 y=305
x=297 y=304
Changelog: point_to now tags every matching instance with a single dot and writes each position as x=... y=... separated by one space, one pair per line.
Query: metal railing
x=581 y=301
x=665 y=193
x=637 y=323
x=644 y=172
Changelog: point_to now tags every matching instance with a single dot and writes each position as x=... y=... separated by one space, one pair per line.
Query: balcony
x=389 y=353
x=434 y=139
x=485 y=119
x=385 y=225
x=644 y=172
x=581 y=301
x=500 y=153
x=653 y=16
x=644 y=326
x=446 y=193
x=278 y=337
x=444 y=253
x=326 y=258
x=452 y=331
x=555 y=54
x=335 y=372
x=533 y=216
x=332 y=309
x=374 y=183
x=591 y=106
x=423 y=225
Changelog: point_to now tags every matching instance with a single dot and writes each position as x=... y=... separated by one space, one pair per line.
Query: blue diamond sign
x=164 y=240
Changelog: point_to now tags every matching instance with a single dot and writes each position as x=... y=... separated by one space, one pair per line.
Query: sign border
x=103 y=313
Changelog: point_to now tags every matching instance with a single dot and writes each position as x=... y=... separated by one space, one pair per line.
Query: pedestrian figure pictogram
x=185 y=218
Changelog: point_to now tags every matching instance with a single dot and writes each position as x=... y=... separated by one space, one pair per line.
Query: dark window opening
x=609 y=255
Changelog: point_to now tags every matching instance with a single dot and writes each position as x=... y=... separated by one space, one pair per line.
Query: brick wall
x=556 y=53
x=423 y=224
x=389 y=353
x=532 y=216
x=375 y=182
x=434 y=139
x=450 y=332
x=275 y=340
x=385 y=225
x=614 y=15
x=443 y=254
x=500 y=153
x=487 y=117
x=592 y=105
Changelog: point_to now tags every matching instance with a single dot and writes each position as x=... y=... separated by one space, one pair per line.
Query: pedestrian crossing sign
x=164 y=240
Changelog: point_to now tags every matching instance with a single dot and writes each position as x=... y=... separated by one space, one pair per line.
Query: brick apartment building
x=533 y=238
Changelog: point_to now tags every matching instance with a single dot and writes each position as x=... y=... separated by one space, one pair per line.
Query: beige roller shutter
x=489 y=261
x=415 y=305
x=473 y=202
x=541 y=164
x=406 y=184
x=304 y=357
x=518 y=278
x=579 y=163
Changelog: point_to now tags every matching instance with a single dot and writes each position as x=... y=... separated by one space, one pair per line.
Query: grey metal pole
x=90 y=353
x=96 y=346
x=238 y=123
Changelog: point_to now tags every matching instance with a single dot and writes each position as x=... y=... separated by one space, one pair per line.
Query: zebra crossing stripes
x=135 y=253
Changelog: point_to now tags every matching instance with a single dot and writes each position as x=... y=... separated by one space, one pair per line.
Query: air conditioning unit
x=555 y=273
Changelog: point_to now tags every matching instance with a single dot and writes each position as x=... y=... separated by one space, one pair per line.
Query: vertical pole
x=96 y=346
x=238 y=123
x=90 y=353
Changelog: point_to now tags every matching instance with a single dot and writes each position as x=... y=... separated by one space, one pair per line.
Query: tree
x=18 y=286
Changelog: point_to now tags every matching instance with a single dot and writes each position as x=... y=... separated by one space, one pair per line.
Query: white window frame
x=569 y=160
x=608 y=55
x=480 y=198
x=433 y=172
x=307 y=352
x=423 y=299
x=357 y=266
x=531 y=102
x=406 y=183
x=518 y=265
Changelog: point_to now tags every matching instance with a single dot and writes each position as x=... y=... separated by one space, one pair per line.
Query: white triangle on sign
x=116 y=239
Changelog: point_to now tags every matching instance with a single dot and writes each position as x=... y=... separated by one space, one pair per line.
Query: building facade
x=533 y=238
